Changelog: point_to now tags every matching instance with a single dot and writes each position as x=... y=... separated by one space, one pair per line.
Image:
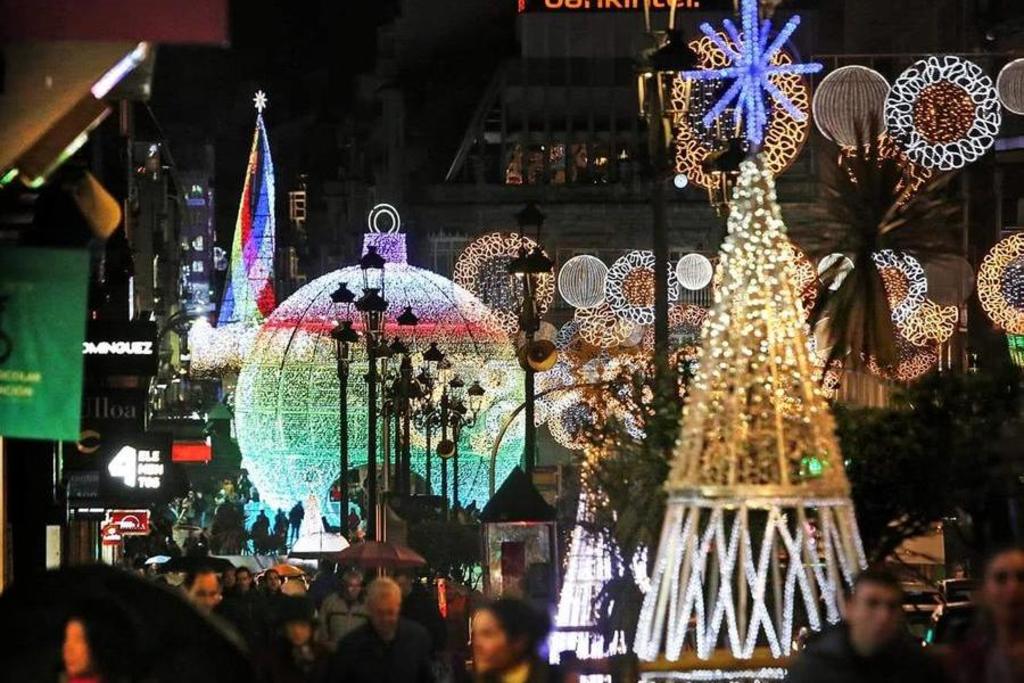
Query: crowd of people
x=340 y=631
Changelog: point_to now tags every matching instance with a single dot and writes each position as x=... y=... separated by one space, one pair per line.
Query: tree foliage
x=933 y=454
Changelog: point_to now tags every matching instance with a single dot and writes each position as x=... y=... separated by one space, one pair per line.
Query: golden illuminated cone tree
x=759 y=533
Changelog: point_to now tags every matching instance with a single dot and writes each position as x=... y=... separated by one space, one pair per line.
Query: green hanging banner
x=43 y=296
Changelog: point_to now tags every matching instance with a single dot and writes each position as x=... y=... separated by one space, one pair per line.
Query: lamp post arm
x=515 y=413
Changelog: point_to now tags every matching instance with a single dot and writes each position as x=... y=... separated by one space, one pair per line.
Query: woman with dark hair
x=507 y=637
x=94 y=649
x=995 y=654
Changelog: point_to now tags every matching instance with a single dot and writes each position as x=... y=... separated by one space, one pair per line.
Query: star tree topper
x=751 y=70
x=260 y=100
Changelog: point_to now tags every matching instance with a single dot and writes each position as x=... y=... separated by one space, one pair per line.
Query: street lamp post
x=344 y=336
x=407 y=389
x=528 y=267
x=372 y=306
x=658 y=72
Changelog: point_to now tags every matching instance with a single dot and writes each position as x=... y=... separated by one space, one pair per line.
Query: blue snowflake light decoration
x=751 y=71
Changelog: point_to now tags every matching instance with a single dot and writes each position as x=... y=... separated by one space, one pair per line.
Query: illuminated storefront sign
x=620 y=5
x=120 y=348
x=129 y=522
x=137 y=469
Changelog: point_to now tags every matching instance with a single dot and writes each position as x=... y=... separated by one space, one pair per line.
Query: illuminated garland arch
x=629 y=287
x=1001 y=284
x=943 y=112
x=482 y=269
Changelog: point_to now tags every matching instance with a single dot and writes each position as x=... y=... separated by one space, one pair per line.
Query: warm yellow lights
x=1001 y=284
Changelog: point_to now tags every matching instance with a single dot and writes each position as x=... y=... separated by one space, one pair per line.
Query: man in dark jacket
x=246 y=609
x=388 y=649
x=871 y=646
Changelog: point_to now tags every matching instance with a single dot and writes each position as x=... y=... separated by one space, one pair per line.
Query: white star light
x=751 y=69
x=260 y=101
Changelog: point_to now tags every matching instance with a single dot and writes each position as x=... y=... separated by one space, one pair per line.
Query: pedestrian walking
x=295 y=656
x=507 y=636
x=344 y=610
x=387 y=649
x=872 y=645
x=246 y=609
x=295 y=517
x=202 y=586
x=92 y=650
x=994 y=653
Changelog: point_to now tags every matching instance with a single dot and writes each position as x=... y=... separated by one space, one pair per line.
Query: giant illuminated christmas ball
x=287 y=401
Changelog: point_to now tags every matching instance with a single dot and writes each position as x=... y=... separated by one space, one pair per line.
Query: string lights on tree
x=943 y=112
x=759 y=532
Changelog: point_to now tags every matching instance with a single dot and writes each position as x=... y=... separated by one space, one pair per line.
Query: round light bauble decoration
x=943 y=112
x=833 y=269
x=849 y=102
x=482 y=269
x=1001 y=284
x=694 y=271
x=629 y=287
x=912 y=362
x=1010 y=86
x=950 y=279
x=905 y=283
x=572 y=418
x=286 y=405
x=581 y=281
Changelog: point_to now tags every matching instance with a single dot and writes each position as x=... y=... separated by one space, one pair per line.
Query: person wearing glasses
x=872 y=644
x=995 y=651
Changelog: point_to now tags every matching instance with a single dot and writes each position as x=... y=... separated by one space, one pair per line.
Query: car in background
x=950 y=623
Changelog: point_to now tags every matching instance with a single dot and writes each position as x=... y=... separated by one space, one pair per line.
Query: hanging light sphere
x=694 y=271
x=680 y=181
x=848 y=102
x=833 y=269
x=581 y=281
x=1010 y=86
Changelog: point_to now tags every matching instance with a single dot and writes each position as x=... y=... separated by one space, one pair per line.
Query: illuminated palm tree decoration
x=869 y=207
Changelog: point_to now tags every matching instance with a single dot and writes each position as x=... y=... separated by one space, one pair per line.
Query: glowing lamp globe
x=1010 y=86
x=581 y=281
x=286 y=406
x=694 y=271
x=849 y=102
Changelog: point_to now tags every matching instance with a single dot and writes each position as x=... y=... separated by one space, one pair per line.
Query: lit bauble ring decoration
x=930 y=324
x=629 y=287
x=912 y=362
x=943 y=112
x=905 y=283
x=600 y=327
x=849 y=102
x=384 y=210
x=581 y=281
x=694 y=271
x=833 y=269
x=482 y=269
x=571 y=419
x=1010 y=86
x=1001 y=284
x=784 y=136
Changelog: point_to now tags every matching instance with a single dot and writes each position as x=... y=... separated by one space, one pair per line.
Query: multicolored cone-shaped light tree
x=759 y=533
x=249 y=292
